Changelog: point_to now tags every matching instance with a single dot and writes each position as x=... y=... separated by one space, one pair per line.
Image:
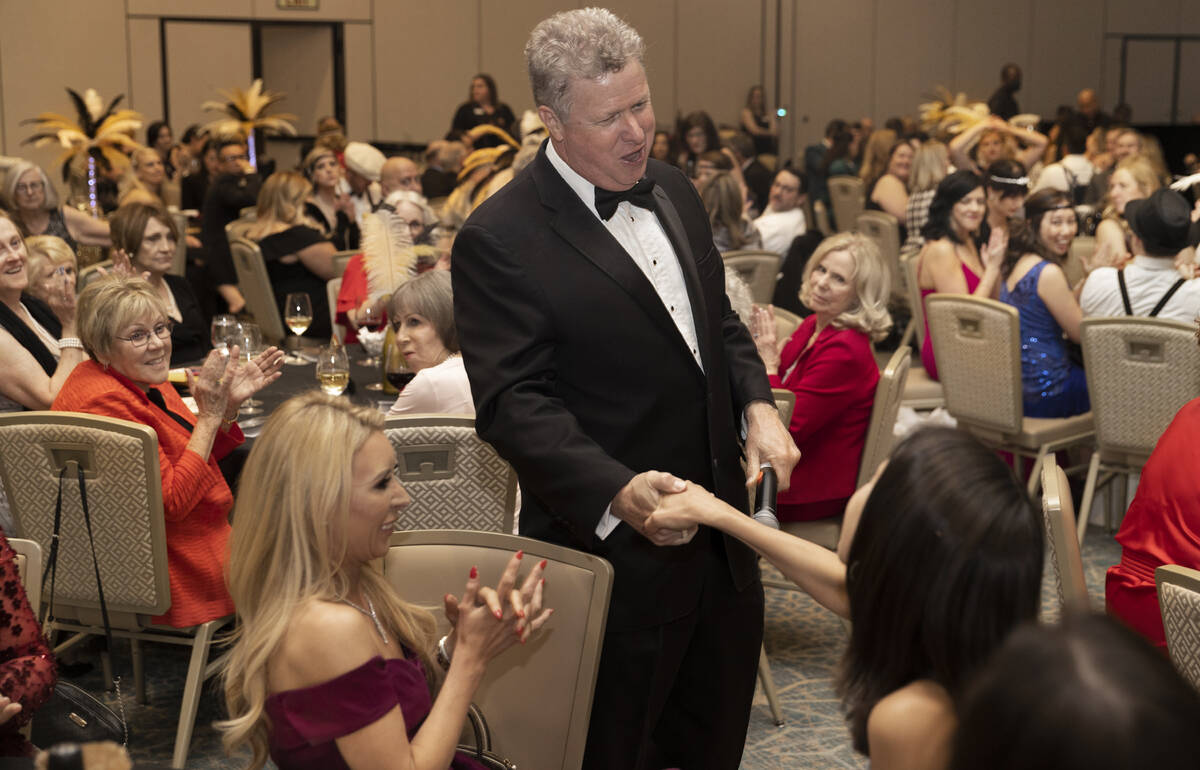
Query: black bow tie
x=640 y=195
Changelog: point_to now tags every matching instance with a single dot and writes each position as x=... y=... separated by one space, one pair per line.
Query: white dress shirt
x=779 y=228
x=639 y=232
x=1147 y=279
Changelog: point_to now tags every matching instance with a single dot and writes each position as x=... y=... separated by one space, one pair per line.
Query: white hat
x=364 y=160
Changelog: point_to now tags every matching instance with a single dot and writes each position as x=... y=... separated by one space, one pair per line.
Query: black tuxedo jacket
x=581 y=379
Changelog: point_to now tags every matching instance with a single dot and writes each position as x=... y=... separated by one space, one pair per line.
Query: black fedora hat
x=1160 y=221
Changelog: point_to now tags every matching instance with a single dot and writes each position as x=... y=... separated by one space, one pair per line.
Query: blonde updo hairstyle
x=286 y=550
x=872 y=280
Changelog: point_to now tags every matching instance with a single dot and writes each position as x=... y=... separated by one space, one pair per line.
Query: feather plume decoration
x=950 y=114
x=245 y=112
x=388 y=252
x=1184 y=183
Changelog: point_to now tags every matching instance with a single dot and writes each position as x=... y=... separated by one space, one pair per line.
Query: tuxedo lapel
x=572 y=221
x=669 y=217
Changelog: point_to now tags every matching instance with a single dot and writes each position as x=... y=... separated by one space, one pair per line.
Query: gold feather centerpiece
x=244 y=112
x=389 y=256
x=951 y=114
x=97 y=130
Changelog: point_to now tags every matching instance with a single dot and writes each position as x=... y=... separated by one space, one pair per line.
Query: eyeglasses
x=228 y=158
x=31 y=187
x=141 y=337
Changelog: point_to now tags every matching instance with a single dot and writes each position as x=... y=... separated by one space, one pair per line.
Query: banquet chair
x=124 y=492
x=977 y=343
x=785 y=402
x=1082 y=247
x=821 y=218
x=455 y=478
x=1058 y=518
x=341 y=259
x=29 y=569
x=536 y=697
x=1140 y=372
x=179 y=262
x=332 y=287
x=884 y=229
x=91 y=273
x=1179 y=603
x=759 y=269
x=848 y=198
x=240 y=226
x=786 y=324
x=256 y=288
x=921 y=391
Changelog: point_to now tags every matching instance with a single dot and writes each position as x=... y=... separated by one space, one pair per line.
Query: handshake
x=668 y=510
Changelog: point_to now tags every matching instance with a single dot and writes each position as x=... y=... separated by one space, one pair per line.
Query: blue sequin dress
x=1053 y=385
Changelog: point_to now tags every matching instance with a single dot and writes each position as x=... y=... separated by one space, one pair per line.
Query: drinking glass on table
x=371 y=318
x=396 y=370
x=297 y=312
x=222 y=327
x=333 y=369
x=250 y=344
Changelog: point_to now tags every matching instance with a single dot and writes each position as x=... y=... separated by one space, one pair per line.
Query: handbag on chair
x=72 y=715
x=482 y=752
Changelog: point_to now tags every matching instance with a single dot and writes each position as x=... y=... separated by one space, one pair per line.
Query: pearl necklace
x=370 y=613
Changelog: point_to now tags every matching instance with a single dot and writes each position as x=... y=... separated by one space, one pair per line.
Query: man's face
x=357 y=181
x=785 y=192
x=1086 y=102
x=400 y=174
x=232 y=157
x=606 y=138
x=1128 y=144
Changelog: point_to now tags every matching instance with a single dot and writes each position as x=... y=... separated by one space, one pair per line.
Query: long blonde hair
x=872 y=284
x=284 y=551
x=281 y=205
x=1144 y=176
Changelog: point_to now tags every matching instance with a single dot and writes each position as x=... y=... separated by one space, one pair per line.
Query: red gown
x=1162 y=526
x=27 y=673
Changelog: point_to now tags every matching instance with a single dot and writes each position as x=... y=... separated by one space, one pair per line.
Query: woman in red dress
x=829 y=365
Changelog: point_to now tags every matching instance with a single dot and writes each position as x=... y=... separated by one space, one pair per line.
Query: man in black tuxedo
x=607 y=367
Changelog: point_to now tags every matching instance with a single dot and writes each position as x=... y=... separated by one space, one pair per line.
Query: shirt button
x=672 y=308
x=654 y=261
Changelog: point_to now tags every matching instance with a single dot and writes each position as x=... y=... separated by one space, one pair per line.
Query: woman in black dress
x=329 y=205
x=298 y=255
x=483 y=107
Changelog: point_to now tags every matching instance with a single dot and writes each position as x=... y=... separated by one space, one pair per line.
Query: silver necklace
x=370 y=613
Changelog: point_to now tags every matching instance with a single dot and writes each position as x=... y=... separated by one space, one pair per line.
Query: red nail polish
x=474 y=573
x=520 y=553
x=543 y=564
x=543 y=582
x=499 y=615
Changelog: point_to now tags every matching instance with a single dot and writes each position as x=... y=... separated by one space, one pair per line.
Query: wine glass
x=371 y=318
x=333 y=369
x=249 y=342
x=396 y=370
x=222 y=326
x=298 y=315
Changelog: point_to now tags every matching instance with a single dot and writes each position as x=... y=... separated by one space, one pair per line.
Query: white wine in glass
x=297 y=312
x=333 y=370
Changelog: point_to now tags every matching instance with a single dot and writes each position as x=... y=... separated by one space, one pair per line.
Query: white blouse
x=440 y=389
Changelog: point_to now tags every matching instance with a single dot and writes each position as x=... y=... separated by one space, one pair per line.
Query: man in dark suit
x=607 y=367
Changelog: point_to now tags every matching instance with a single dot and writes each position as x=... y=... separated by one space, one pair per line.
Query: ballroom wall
x=408 y=63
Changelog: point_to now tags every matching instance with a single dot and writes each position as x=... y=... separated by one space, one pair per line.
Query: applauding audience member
x=50 y=263
x=328 y=206
x=993 y=139
x=829 y=365
x=330 y=667
x=1034 y=283
x=1150 y=285
x=1086 y=694
x=921 y=626
x=952 y=260
x=1005 y=185
x=36 y=209
x=1132 y=179
x=125 y=327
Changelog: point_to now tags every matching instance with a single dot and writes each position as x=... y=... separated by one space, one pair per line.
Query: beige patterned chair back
x=910 y=267
x=1179 y=602
x=847 y=197
x=977 y=346
x=456 y=479
x=786 y=324
x=124 y=492
x=536 y=697
x=1140 y=372
x=1058 y=517
x=256 y=287
x=889 y=392
x=821 y=218
x=341 y=259
x=92 y=273
x=179 y=262
x=29 y=568
x=759 y=269
x=785 y=402
x=240 y=226
x=332 y=287
x=884 y=229
x=1082 y=247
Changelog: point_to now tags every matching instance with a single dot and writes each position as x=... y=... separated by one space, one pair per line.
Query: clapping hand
x=992 y=253
x=243 y=379
x=122 y=266
x=487 y=620
x=762 y=328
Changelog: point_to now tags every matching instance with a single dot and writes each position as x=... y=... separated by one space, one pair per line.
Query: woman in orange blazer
x=829 y=365
x=125 y=329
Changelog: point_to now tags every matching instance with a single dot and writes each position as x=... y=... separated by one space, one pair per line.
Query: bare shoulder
x=912 y=727
x=324 y=640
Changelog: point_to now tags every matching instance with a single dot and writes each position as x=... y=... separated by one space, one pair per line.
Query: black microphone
x=768 y=488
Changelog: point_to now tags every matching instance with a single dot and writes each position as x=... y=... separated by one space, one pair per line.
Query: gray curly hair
x=586 y=43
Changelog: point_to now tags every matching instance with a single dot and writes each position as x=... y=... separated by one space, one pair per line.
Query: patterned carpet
x=804 y=642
